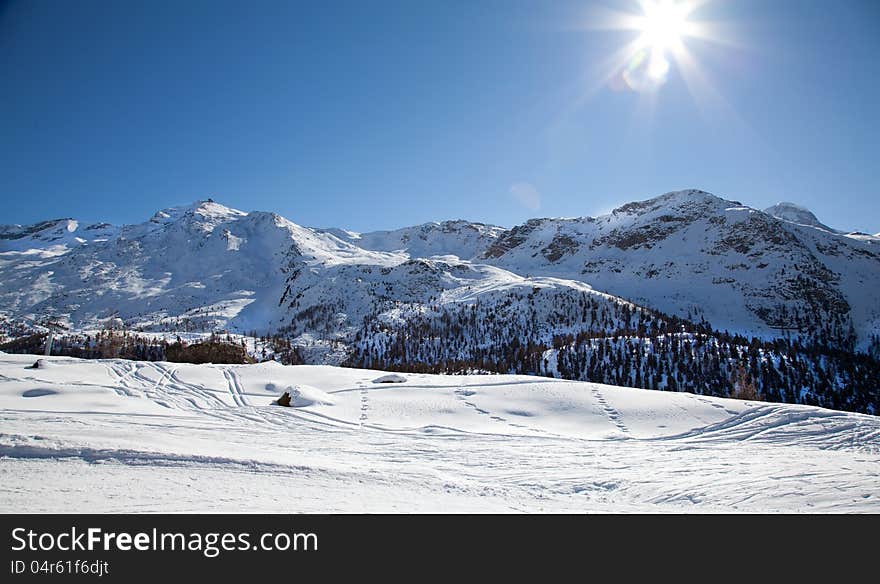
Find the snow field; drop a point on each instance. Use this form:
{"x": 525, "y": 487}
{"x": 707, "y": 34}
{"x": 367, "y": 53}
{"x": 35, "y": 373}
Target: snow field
{"x": 116, "y": 435}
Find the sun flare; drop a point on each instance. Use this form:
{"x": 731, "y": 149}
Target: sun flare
{"x": 663, "y": 24}
{"x": 662, "y": 28}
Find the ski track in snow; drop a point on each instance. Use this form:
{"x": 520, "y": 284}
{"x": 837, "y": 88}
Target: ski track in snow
{"x": 235, "y": 387}
{"x": 209, "y": 397}
{"x": 116, "y": 435}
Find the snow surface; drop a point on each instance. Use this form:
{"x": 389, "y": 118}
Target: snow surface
{"x": 117, "y": 436}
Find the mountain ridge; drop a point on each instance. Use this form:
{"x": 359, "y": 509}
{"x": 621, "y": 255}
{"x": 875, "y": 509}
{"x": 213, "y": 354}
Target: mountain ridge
{"x": 688, "y": 253}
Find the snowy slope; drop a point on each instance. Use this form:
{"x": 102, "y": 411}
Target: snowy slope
{"x": 136, "y": 436}
{"x": 57, "y": 234}
{"x": 796, "y": 214}
{"x": 332, "y": 303}
{"x": 463, "y": 239}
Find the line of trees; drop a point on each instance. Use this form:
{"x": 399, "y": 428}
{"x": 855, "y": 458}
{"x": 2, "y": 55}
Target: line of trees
{"x": 121, "y": 344}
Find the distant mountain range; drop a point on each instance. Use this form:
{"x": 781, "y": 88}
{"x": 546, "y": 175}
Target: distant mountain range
{"x": 664, "y": 293}
{"x": 206, "y": 266}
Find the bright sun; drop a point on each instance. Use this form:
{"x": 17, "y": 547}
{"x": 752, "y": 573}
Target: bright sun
{"x": 663, "y": 24}
{"x": 662, "y": 27}
{"x": 662, "y": 31}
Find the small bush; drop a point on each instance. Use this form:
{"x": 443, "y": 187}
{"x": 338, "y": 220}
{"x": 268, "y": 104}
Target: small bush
{"x": 744, "y": 386}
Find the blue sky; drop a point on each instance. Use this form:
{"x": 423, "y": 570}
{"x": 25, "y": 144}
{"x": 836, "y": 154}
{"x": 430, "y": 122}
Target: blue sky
{"x": 370, "y": 115}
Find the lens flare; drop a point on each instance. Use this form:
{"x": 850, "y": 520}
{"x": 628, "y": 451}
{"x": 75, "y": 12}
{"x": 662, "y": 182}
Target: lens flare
{"x": 662, "y": 27}
{"x": 663, "y": 38}
{"x": 643, "y": 72}
{"x": 659, "y": 67}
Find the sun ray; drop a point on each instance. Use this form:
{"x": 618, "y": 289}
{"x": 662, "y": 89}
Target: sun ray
{"x": 719, "y": 33}
{"x": 604, "y": 18}
{"x": 706, "y": 97}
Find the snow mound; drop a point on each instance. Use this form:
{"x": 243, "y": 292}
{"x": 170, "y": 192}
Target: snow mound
{"x": 390, "y": 378}
{"x": 303, "y": 396}
{"x": 39, "y": 364}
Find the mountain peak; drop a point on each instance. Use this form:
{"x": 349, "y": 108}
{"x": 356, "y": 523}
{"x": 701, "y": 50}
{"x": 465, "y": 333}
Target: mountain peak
{"x": 202, "y": 209}
{"x": 794, "y": 213}
{"x": 210, "y": 209}
{"x": 694, "y": 196}
{"x": 684, "y": 198}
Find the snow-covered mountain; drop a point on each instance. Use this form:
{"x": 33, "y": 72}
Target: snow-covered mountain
{"x": 206, "y": 266}
{"x": 162, "y": 268}
{"x": 694, "y": 254}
